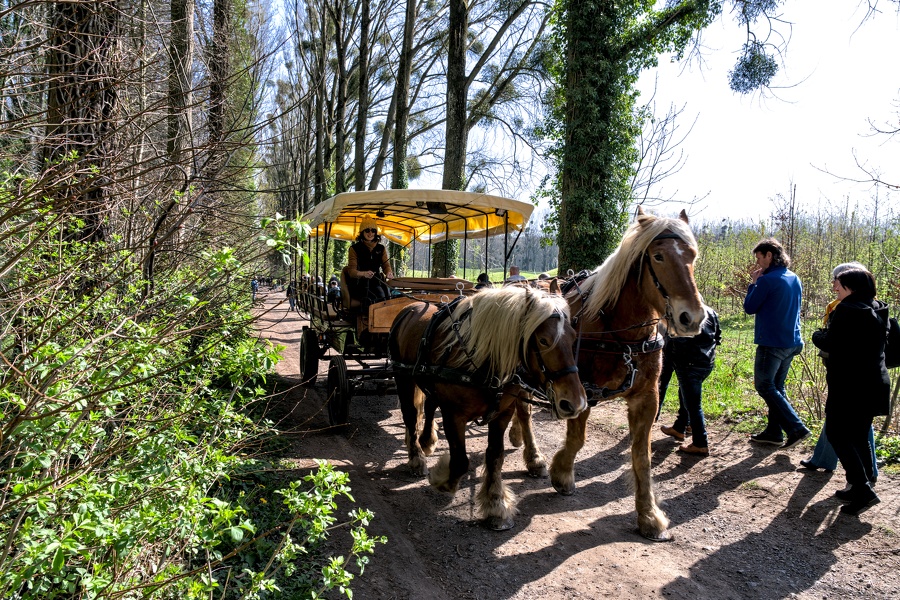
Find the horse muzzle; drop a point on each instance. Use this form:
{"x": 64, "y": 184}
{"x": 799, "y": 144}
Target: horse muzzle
{"x": 567, "y": 400}
{"x": 686, "y": 319}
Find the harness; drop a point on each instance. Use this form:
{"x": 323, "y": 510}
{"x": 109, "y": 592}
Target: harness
{"x": 427, "y": 375}
{"x": 596, "y": 343}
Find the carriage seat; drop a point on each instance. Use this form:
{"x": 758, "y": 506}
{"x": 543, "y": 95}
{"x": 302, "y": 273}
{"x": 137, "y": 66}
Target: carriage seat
{"x": 348, "y": 302}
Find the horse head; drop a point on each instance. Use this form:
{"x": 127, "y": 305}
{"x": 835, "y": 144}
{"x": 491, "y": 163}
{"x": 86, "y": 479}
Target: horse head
{"x": 550, "y": 361}
{"x": 515, "y": 327}
{"x": 669, "y": 262}
{"x": 653, "y": 267}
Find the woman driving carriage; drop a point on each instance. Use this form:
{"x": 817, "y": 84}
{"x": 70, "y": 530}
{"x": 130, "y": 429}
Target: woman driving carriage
{"x": 365, "y": 259}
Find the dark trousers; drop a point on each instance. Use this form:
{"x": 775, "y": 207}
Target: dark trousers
{"x": 369, "y": 291}
{"x": 690, "y": 396}
{"x": 849, "y": 436}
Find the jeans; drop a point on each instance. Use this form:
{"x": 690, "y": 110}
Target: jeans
{"x": 690, "y": 392}
{"x": 825, "y": 457}
{"x": 291, "y": 302}
{"x": 769, "y": 373}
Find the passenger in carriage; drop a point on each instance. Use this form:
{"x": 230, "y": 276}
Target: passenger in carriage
{"x": 483, "y": 282}
{"x": 365, "y": 260}
{"x": 334, "y": 293}
{"x": 515, "y": 275}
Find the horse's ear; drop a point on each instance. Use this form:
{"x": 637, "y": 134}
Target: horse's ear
{"x": 640, "y": 210}
{"x": 683, "y": 216}
{"x": 554, "y": 286}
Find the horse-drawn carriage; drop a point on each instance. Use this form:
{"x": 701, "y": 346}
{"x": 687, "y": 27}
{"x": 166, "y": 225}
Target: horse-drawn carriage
{"x": 352, "y": 338}
{"x": 610, "y": 328}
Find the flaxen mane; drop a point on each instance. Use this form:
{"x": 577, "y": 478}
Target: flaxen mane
{"x": 605, "y": 284}
{"x": 499, "y": 327}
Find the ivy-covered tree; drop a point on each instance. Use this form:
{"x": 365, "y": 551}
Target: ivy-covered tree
{"x": 601, "y": 48}
{"x": 598, "y": 52}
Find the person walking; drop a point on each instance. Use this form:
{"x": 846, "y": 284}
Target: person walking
{"x": 254, "y": 288}
{"x": 824, "y": 456}
{"x": 291, "y": 294}
{"x": 858, "y": 384}
{"x": 774, "y": 296}
{"x": 692, "y": 359}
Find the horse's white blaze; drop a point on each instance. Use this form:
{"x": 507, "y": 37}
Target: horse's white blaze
{"x": 560, "y": 329}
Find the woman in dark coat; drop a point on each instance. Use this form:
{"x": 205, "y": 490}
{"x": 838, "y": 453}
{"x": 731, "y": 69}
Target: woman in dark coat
{"x": 858, "y": 383}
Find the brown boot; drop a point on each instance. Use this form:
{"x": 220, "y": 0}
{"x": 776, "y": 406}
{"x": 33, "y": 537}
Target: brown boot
{"x": 672, "y": 432}
{"x": 692, "y": 449}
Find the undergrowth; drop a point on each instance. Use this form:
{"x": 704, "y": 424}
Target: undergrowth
{"x": 127, "y": 463}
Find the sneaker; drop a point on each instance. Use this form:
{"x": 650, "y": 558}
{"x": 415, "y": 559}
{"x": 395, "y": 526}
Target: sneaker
{"x": 810, "y": 465}
{"x": 692, "y": 449}
{"x": 793, "y": 438}
{"x": 672, "y": 432}
{"x": 865, "y": 500}
{"x": 851, "y": 493}
{"x": 765, "y": 437}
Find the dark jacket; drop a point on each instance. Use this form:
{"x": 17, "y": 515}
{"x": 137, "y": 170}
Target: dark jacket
{"x": 369, "y": 259}
{"x": 698, "y": 351}
{"x": 858, "y": 381}
{"x": 775, "y": 300}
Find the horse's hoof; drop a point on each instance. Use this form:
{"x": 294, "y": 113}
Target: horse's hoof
{"x": 499, "y": 523}
{"x": 538, "y": 471}
{"x": 564, "y": 490}
{"x": 418, "y": 469}
{"x": 662, "y": 536}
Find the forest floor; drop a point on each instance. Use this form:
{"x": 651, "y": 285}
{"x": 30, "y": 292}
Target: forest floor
{"x": 746, "y": 523}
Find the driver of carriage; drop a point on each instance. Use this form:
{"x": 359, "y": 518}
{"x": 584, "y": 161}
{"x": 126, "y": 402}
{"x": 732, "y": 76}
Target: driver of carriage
{"x": 365, "y": 259}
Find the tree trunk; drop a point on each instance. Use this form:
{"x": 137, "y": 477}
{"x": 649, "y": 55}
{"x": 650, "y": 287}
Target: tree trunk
{"x": 219, "y": 69}
{"x": 181, "y": 56}
{"x": 82, "y": 104}
{"x": 400, "y": 177}
{"x": 359, "y": 162}
{"x": 592, "y": 210}
{"x": 340, "y": 179}
{"x": 445, "y": 256}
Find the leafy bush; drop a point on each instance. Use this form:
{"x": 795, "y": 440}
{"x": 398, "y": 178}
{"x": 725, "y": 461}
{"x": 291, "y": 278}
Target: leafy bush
{"x": 124, "y": 410}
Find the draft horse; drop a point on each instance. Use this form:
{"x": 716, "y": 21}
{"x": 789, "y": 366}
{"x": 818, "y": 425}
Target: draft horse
{"x": 622, "y": 312}
{"x": 480, "y": 358}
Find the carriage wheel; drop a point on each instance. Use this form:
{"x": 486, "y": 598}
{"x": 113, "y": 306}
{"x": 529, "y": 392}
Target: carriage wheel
{"x": 338, "y": 391}
{"x": 309, "y": 357}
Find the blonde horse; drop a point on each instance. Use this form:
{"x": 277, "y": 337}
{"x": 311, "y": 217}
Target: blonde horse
{"x": 622, "y": 310}
{"x": 478, "y": 359}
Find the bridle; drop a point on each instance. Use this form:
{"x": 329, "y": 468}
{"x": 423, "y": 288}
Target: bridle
{"x": 544, "y": 398}
{"x": 652, "y": 343}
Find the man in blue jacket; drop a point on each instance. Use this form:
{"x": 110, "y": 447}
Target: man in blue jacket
{"x": 774, "y": 296}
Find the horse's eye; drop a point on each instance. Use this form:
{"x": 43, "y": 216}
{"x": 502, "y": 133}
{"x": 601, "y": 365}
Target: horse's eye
{"x": 543, "y": 342}
{"x": 658, "y": 257}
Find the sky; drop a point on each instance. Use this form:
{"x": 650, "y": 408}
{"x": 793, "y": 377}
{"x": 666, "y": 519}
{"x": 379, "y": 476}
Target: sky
{"x": 743, "y": 150}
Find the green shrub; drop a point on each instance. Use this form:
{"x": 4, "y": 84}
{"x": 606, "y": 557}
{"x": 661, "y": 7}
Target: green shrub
{"x": 124, "y": 414}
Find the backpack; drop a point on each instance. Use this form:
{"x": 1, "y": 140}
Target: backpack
{"x": 892, "y": 345}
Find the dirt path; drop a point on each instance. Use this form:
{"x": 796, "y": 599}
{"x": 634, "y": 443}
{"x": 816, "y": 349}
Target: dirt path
{"x": 746, "y": 523}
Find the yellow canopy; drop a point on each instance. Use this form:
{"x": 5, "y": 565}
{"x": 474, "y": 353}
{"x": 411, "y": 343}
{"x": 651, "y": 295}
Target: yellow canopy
{"x": 422, "y": 215}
